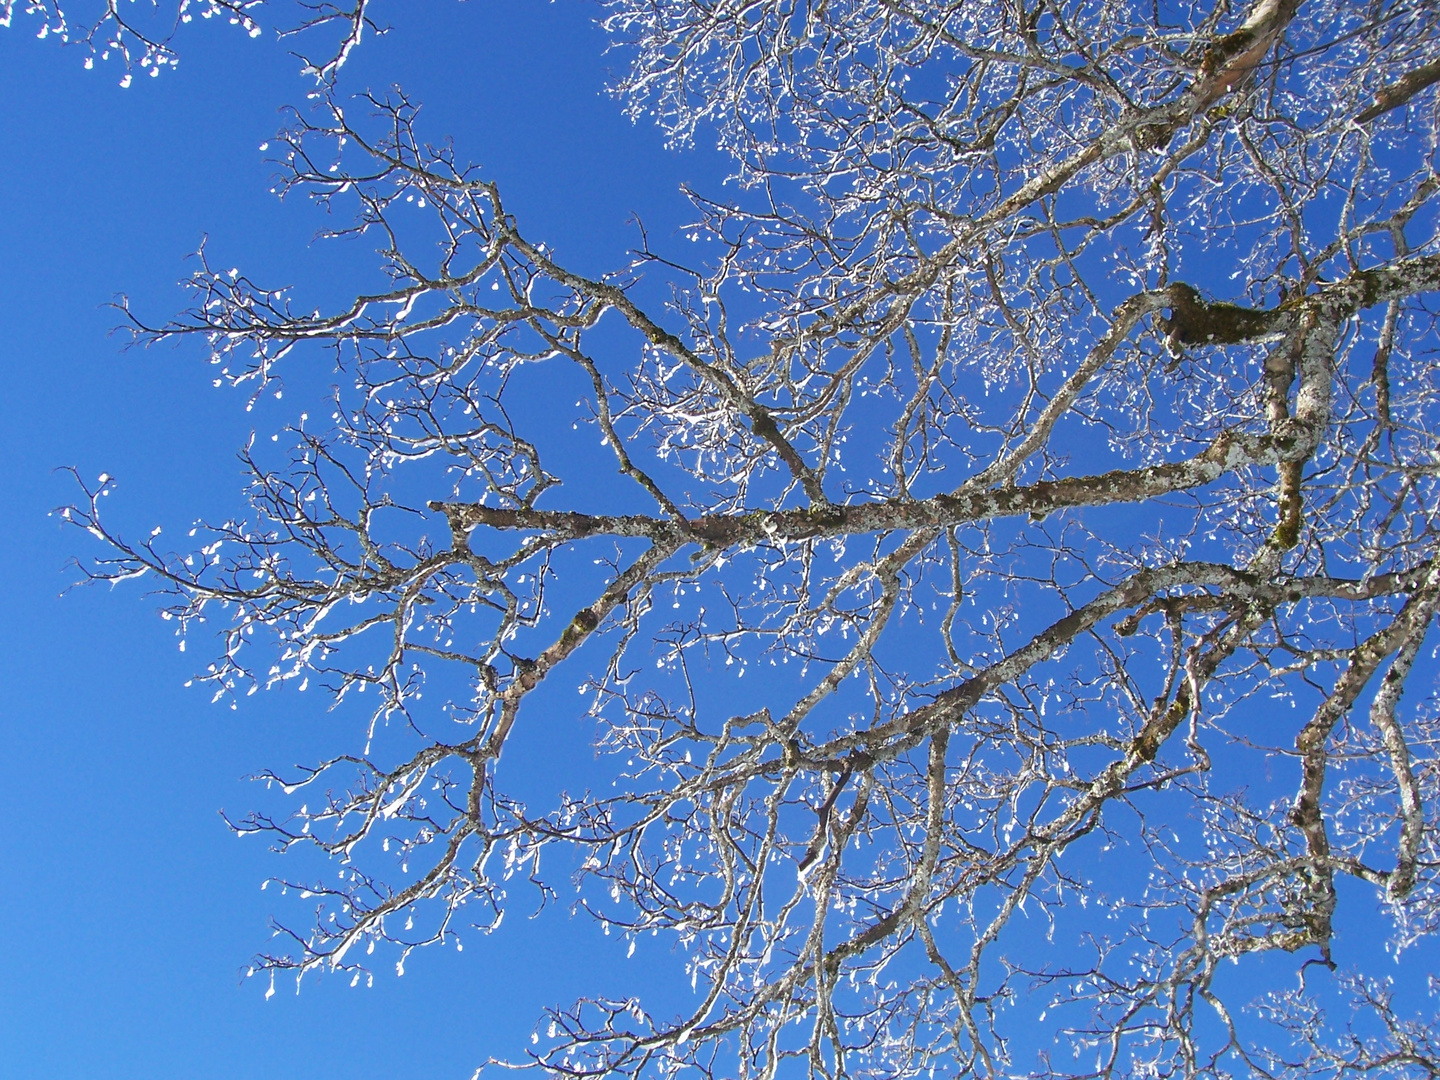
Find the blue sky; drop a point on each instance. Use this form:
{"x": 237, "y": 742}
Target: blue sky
{"x": 129, "y": 910}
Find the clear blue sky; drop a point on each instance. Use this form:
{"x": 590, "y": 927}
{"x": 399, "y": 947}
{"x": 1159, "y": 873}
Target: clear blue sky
{"x": 128, "y": 910}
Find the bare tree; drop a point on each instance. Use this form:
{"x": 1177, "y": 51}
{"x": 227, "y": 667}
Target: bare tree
{"x": 1045, "y": 426}
{"x": 112, "y": 29}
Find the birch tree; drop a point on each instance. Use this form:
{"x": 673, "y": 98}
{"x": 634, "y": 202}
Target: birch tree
{"x": 1013, "y": 592}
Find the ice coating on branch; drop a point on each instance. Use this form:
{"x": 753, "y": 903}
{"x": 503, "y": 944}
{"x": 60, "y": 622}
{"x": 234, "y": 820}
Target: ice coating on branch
{"x": 990, "y": 561}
